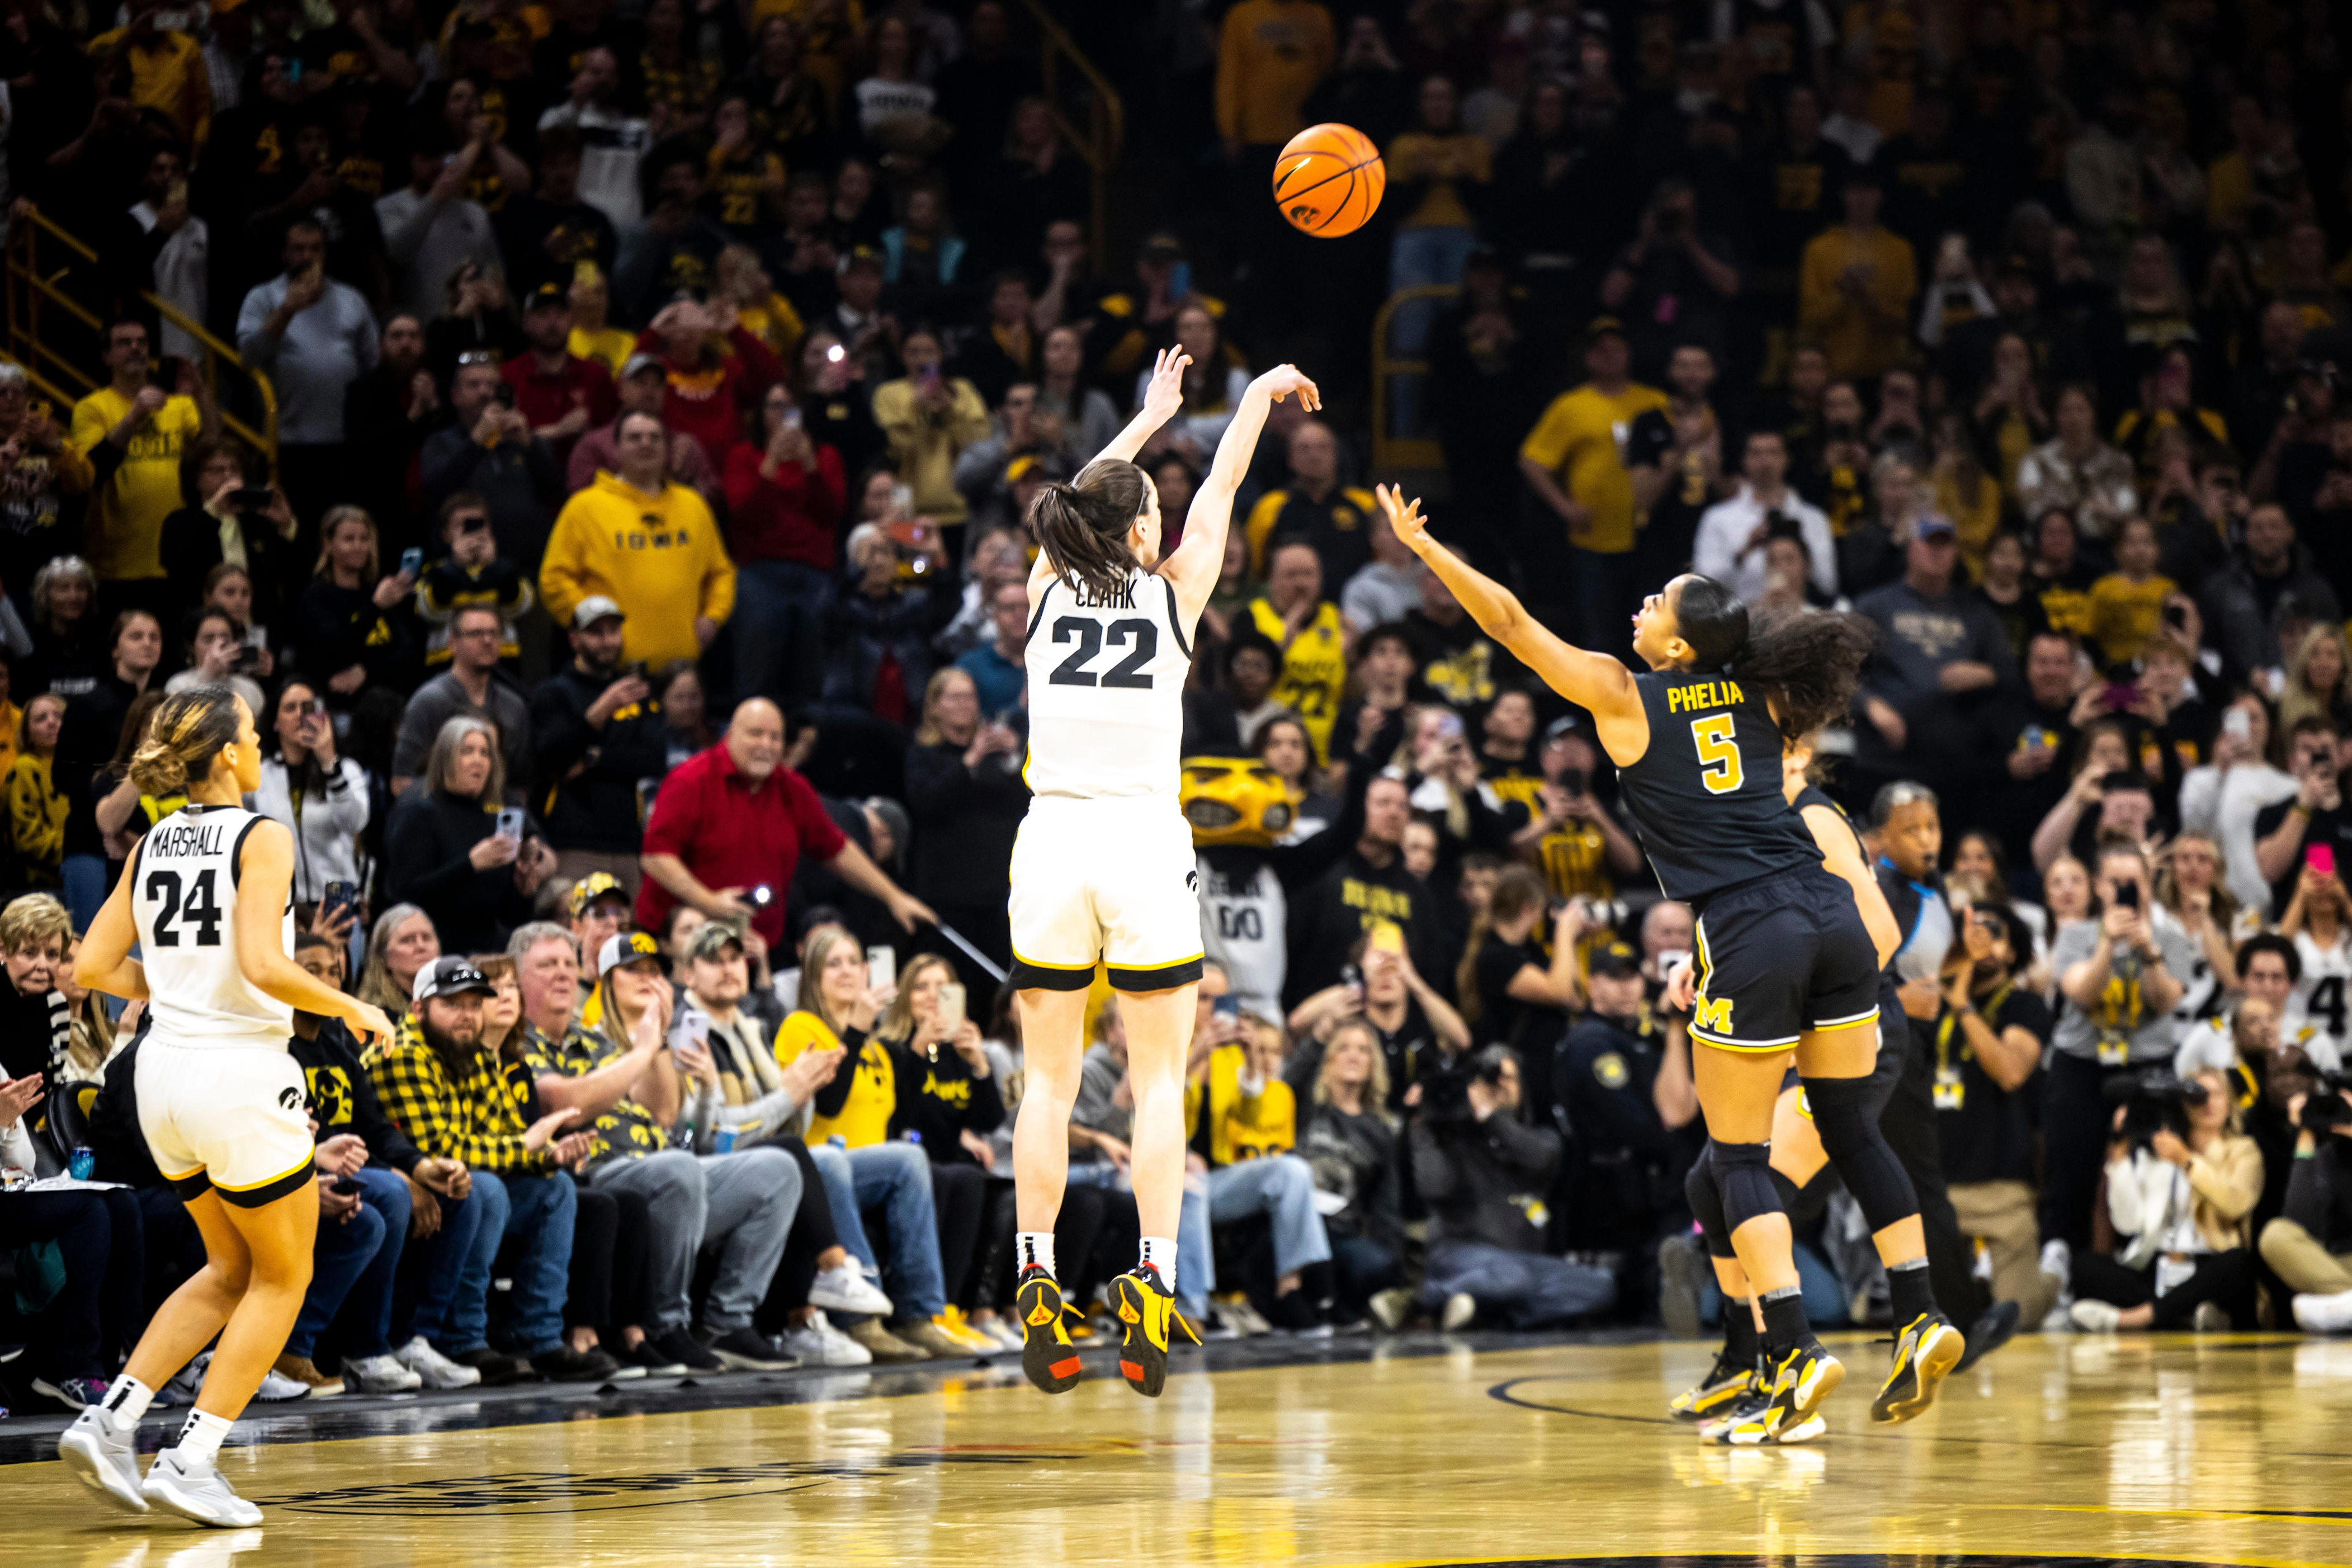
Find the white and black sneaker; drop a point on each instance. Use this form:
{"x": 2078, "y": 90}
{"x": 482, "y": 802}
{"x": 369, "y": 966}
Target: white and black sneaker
{"x": 433, "y": 1369}
{"x": 196, "y": 1491}
{"x": 382, "y": 1375}
{"x": 748, "y": 1349}
{"x": 101, "y": 1457}
{"x": 818, "y": 1344}
{"x": 846, "y": 1290}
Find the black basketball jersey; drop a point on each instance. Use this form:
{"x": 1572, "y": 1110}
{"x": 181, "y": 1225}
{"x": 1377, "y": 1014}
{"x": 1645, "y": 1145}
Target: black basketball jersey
{"x": 1813, "y": 794}
{"x": 1706, "y": 794}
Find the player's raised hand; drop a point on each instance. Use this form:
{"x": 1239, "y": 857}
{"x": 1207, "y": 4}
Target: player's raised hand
{"x": 1404, "y": 516}
{"x": 1285, "y": 379}
{"x": 1164, "y": 396}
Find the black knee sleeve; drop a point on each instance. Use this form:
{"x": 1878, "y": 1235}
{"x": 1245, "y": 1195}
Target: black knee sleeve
{"x": 1744, "y": 1172}
{"x": 1707, "y": 1204}
{"x": 1847, "y": 1121}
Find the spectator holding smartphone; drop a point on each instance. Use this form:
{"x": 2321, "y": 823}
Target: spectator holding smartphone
{"x": 2315, "y": 817}
{"x": 472, "y": 572}
{"x": 321, "y": 795}
{"x": 598, "y": 737}
{"x": 458, "y": 850}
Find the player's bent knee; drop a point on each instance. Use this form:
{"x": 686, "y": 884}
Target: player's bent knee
{"x": 1744, "y": 1172}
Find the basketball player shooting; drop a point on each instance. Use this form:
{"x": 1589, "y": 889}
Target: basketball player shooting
{"x": 1103, "y": 868}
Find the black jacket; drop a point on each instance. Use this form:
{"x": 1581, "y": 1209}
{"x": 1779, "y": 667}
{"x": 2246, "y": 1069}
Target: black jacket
{"x": 1482, "y": 1179}
{"x": 425, "y": 860}
{"x": 589, "y": 778}
{"x": 87, "y": 738}
{"x": 939, "y": 1097}
{"x": 116, "y": 1143}
{"x": 965, "y": 820}
{"x": 337, "y": 627}
{"x": 191, "y": 547}
{"x": 342, "y": 1099}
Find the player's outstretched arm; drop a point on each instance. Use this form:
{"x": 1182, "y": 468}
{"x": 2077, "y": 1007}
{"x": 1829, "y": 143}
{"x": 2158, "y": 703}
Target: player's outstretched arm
{"x": 1193, "y": 569}
{"x": 265, "y": 876}
{"x": 103, "y": 963}
{"x": 1162, "y": 397}
{"x": 1594, "y": 681}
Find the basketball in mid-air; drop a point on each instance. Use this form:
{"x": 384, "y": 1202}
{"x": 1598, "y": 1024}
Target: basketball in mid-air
{"x": 1329, "y": 179}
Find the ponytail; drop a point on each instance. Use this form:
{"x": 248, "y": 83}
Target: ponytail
{"x": 187, "y": 730}
{"x": 1082, "y": 526}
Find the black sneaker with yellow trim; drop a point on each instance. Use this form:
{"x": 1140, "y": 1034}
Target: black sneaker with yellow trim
{"x": 1046, "y": 1353}
{"x": 1726, "y": 1381}
{"x": 1802, "y": 1377}
{"x": 1925, "y": 1352}
{"x": 1146, "y": 1309}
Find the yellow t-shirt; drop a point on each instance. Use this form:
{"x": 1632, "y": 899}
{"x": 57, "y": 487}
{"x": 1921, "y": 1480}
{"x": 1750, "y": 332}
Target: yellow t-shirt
{"x": 2124, "y": 614}
{"x": 1446, "y": 162}
{"x": 127, "y": 512}
{"x": 1314, "y": 668}
{"x": 1582, "y": 440}
{"x": 864, "y": 1117}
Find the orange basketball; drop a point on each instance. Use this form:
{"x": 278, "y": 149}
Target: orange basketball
{"x": 1329, "y": 180}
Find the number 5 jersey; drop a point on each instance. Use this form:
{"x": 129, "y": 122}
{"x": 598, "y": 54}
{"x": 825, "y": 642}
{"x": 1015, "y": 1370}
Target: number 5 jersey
{"x": 183, "y": 893}
{"x": 1706, "y": 794}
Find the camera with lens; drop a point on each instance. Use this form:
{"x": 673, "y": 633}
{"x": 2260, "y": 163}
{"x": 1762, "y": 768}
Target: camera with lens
{"x": 2324, "y": 1110}
{"x": 2156, "y": 1100}
{"x": 1445, "y": 1093}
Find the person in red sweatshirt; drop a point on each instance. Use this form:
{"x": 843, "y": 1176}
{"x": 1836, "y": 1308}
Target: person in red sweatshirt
{"x": 717, "y": 371}
{"x": 784, "y": 496}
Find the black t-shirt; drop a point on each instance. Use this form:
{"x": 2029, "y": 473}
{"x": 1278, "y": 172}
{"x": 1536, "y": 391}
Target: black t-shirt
{"x": 1673, "y": 517}
{"x": 1987, "y": 1132}
{"x": 2333, "y": 828}
{"x": 1331, "y": 913}
{"x": 1501, "y": 1016}
{"x": 1411, "y": 1051}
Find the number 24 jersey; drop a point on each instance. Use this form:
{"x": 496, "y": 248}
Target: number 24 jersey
{"x": 1107, "y": 690}
{"x": 183, "y": 894}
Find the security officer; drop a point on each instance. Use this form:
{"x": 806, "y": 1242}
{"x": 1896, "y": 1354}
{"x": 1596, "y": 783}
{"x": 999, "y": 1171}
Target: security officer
{"x": 1621, "y": 1186}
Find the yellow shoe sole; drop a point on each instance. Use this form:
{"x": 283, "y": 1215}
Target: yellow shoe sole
{"x": 1930, "y": 1365}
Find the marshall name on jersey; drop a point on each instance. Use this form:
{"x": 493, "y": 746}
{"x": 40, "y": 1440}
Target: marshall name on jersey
{"x": 183, "y": 896}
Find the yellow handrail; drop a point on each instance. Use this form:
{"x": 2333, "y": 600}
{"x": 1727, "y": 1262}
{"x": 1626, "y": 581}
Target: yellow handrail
{"x": 1391, "y": 452}
{"x": 28, "y": 291}
{"x": 1105, "y": 131}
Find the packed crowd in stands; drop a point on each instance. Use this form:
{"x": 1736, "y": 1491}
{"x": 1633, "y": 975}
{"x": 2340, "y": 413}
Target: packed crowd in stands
{"x": 633, "y": 612}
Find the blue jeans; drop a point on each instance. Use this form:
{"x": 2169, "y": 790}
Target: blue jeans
{"x": 1419, "y": 257}
{"x": 778, "y": 629}
{"x": 1281, "y": 1187}
{"x": 453, "y": 1271}
{"x": 1196, "y": 1253}
{"x": 897, "y": 1178}
{"x": 1517, "y": 1289}
{"x": 536, "y": 1211}
{"x": 355, "y": 1260}
{"x": 84, "y": 876}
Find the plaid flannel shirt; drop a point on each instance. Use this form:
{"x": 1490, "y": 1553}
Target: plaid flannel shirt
{"x": 473, "y": 1118}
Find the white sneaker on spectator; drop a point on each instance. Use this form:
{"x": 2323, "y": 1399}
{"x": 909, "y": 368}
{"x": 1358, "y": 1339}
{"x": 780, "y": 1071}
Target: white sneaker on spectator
{"x": 276, "y": 1388}
{"x": 818, "y": 1344}
{"x": 100, "y": 1456}
{"x": 1391, "y": 1308}
{"x": 1459, "y": 1309}
{"x": 1001, "y": 1329}
{"x": 846, "y": 1290}
{"x": 435, "y": 1370}
{"x": 195, "y": 1491}
{"x": 1239, "y": 1311}
{"x": 182, "y": 1389}
{"x": 381, "y": 1375}
{"x": 2211, "y": 1318}
{"x": 2095, "y": 1317}
{"x": 2317, "y": 1314}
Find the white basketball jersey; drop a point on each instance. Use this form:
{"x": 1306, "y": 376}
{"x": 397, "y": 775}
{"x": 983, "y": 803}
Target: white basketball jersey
{"x": 1243, "y": 920}
{"x": 2318, "y": 999}
{"x": 1107, "y": 690}
{"x": 183, "y": 900}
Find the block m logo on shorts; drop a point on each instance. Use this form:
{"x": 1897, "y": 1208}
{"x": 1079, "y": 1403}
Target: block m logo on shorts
{"x": 1711, "y": 1014}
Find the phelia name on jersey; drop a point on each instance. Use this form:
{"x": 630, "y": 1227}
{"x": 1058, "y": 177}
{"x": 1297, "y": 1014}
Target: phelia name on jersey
{"x": 1088, "y": 599}
{"x": 1704, "y": 694}
{"x": 178, "y": 838}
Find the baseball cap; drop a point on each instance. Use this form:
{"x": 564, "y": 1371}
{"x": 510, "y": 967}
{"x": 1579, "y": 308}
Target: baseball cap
{"x": 1616, "y": 961}
{"x": 638, "y": 364}
{"x": 858, "y": 256}
{"x": 1603, "y": 326}
{"x": 712, "y": 938}
{"x": 448, "y": 977}
{"x": 550, "y": 296}
{"x": 591, "y": 610}
{"x": 1561, "y": 729}
{"x": 1933, "y": 529}
{"x": 1162, "y": 247}
{"x": 594, "y": 885}
{"x": 626, "y": 947}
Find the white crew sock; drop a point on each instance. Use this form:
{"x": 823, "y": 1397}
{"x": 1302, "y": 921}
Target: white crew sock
{"x": 1160, "y": 1251}
{"x": 126, "y": 1401}
{"x": 200, "y": 1439}
{"x": 1032, "y": 1249}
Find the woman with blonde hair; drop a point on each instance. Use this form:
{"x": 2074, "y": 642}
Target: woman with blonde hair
{"x": 1347, "y": 1138}
{"x": 837, "y": 1010}
{"x": 2316, "y": 685}
{"x": 1499, "y": 982}
{"x": 401, "y": 941}
{"x": 345, "y": 624}
{"x": 209, "y": 904}
{"x": 459, "y": 848}
{"x": 2189, "y": 883}
{"x": 37, "y": 811}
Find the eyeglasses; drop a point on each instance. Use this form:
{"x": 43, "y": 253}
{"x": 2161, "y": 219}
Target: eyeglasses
{"x": 478, "y": 356}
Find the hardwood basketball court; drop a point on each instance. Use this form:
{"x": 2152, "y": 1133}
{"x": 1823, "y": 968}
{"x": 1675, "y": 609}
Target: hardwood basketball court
{"x": 1482, "y": 1449}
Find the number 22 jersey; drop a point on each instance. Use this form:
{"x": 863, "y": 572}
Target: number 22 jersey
{"x": 1107, "y": 690}
{"x": 1706, "y": 793}
{"x": 183, "y": 894}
